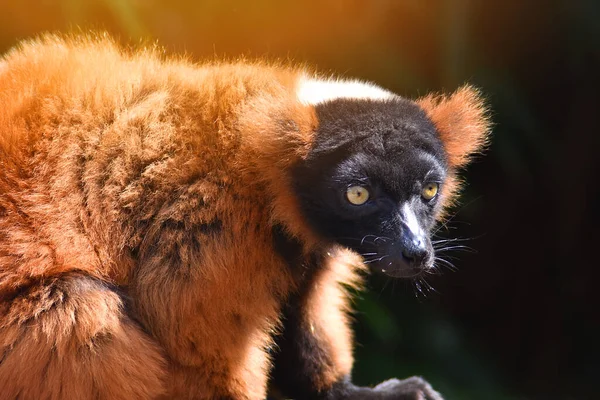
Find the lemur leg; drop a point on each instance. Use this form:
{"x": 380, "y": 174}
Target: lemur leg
{"x": 215, "y": 314}
{"x": 315, "y": 357}
{"x": 68, "y": 337}
{"x": 215, "y": 337}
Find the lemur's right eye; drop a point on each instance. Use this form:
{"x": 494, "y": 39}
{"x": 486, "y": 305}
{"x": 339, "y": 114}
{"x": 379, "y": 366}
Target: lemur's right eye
{"x": 430, "y": 190}
{"x": 357, "y": 195}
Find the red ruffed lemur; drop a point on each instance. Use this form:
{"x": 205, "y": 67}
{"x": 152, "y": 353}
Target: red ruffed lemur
{"x": 179, "y": 231}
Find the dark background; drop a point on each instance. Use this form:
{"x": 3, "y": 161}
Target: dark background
{"x": 519, "y": 318}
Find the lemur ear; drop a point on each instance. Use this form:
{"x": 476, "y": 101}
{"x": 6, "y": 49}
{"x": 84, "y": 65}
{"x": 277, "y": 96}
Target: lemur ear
{"x": 462, "y": 121}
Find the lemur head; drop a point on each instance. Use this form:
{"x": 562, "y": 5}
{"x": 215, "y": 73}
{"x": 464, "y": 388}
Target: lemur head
{"x": 381, "y": 169}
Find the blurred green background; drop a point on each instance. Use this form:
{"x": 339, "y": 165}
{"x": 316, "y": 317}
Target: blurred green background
{"x": 519, "y": 319}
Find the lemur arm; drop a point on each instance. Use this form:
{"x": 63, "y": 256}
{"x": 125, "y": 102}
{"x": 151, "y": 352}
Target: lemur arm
{"x": 314, "y": 358}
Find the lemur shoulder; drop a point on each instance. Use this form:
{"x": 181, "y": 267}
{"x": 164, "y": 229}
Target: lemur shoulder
{"x": 173, "y": 230}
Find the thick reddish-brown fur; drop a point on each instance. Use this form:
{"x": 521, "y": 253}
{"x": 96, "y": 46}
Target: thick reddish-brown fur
{"x": 463, "y": 124}
{"x": 137, "y": 196}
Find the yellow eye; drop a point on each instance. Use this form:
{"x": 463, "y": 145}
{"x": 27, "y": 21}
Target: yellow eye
{"x": 357, "y": 195}
{"x": 430, "y": 190}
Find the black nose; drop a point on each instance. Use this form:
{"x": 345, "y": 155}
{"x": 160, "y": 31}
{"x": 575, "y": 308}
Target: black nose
{"x": 414, "y": 251}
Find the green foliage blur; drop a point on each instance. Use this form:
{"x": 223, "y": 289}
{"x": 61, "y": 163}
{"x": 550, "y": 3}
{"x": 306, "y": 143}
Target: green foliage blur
{"x": 519, "y": 319}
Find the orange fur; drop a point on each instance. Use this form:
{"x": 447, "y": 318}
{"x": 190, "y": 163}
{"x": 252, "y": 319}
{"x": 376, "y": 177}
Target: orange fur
{"x": 117, "y": 165}
{"x": 124, "y": 175}
{"x": 462, "y": 121}
{"x": 68, "y": 338}
{"x": 327, "y": 312}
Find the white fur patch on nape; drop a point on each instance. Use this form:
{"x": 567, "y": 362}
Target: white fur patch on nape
{"x": 312, "y": 91}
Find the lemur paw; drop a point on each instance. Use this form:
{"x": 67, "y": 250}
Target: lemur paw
{"x": 413, "y": 388}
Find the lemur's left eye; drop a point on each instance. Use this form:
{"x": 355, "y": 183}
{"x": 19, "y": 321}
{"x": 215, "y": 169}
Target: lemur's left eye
{"x": 357, "y": 195}
{"x": 430, "y": 190}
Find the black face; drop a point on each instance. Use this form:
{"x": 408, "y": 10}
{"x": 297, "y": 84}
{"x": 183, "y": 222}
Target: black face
{"x": 371, "y": 180}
